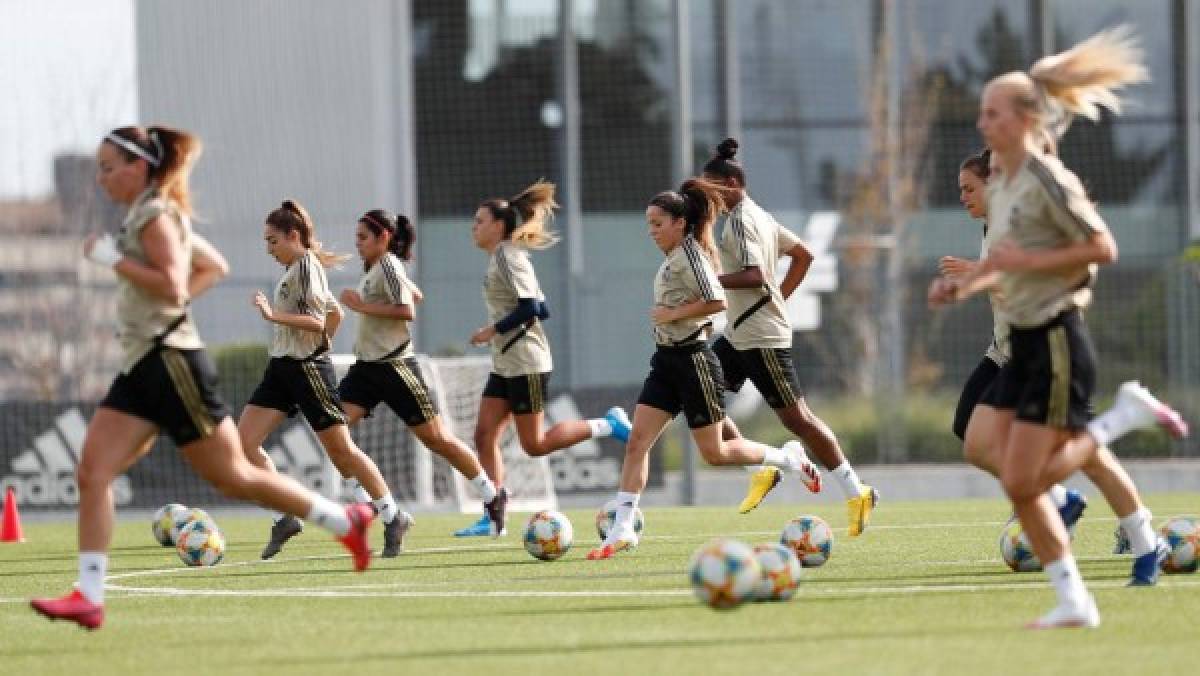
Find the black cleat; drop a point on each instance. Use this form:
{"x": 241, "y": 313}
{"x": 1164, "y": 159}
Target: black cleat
{"x": 281, "y": 532}
{"x": 496, "y": 511}
{"x": 393, "y": 534}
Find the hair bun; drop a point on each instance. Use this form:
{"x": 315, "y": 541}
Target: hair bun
{"x": 289, "y": 205}
{"x": 727, "y": 148}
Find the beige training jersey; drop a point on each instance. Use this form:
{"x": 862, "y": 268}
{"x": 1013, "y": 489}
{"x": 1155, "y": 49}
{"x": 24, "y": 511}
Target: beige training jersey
{"x": 379, "y": 337}
{"x": 686, "y": 276}
{"x": 998, "y": 350}
{"x": 141, "y": 316}
{"x": 510, "y": 276}
{"x": 752, "y": 238}
{"x": 1043, "y": 206}
{"x": 302, "y": 290}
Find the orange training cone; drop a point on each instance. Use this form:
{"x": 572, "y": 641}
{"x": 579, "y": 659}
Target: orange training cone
{"x": 10, "y": 529}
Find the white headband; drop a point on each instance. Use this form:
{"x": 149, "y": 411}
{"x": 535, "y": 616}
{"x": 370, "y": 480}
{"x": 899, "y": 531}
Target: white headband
{"x": 136, "y": 149}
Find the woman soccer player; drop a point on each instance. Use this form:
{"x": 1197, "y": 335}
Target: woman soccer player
{"x": 299, "y": 375}
{"x": 973, "y": 421}
{"x": 385, "y": 369}
{"x": 1043, "y": 270}
{"x": 685, "y": 374}
{"x": 167, "y": 382}
{"x": 507, "y": 229}
{"x": 757, "y": 344}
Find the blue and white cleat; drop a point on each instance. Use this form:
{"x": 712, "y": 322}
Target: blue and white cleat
{"x": 1121, "y": 544}
{"x": 1147, "y": 567}
{"x": 481, "y": 528}
{"x": 617, "y": 417}
{"x": 1072, "y": 509}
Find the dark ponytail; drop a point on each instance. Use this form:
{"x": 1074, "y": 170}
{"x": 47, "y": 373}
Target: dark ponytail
{"x": 401, "y": 230}
{"x": 291, "y": 216}
{"x": 723, "y": 165}
{"x": 698, "y": 202}
{"x": 979, "y": 164}
{"x": 527, "y": 215}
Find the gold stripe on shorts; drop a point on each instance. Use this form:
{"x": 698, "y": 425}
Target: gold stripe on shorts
{"x": 420, "y": 394}
{"x": 535, "y": 391}
{"x": 1060, "y": 377}
{"x": 708, "y": 386}
{"x": 322, "y": 392}
{"x": 787, "y": 396}
{"x": 188, "y": 392}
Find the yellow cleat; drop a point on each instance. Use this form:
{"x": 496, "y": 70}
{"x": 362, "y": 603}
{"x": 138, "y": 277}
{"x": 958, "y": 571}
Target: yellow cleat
{"x": 860, "y": 510}
{"x": 761, "y": 483}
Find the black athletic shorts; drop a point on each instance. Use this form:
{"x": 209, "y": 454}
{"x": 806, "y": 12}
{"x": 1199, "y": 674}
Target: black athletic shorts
{"x": 397, "y": 383}
{"x": 524, "y": 394}
{"x": 770, "y": 369}
{"x": 981, "y": 378}
{"x": 304, "y": 385}
{"x": 686, "y": 378}
{"x": 1051, "y": 376}
{"x": 174, "y": 389}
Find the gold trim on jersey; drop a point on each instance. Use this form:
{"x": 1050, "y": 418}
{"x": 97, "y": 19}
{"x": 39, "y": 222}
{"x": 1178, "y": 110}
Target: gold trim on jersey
{"x": 188, "y": 392}
{"x": 419, "y": 391}
{"x": 318, "y": 386}
{"x": 782, "y": 385}
{"x": 1060, "y": 377}
{"x": 708, "y": 385}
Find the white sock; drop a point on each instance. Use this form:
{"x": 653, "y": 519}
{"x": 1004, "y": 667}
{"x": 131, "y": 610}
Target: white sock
{"x": 753, "y": 468}
{"x": 1140, "y": 531}
{"x": 1068, "y": 583}
{"x": 92, "y": 568}
{"x": 847, "y": 479}
{"x": 626, "y": 503}
{"x": 600, "y": 427}
{"x": 1058, "y": 493}
{"x": 386, "y": 508}
{"x": 360, "y": 493}
{"x": 328, "y": 515}
{"x": 277, "y": 516}
{"x": 776, "y": 457}
{"x": 487, "y": 490}
{"x": 1115, "y": 423}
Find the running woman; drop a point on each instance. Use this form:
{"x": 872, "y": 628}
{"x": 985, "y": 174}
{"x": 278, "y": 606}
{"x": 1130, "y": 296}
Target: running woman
{"x": 386, "y": 369}
{"x": 757, "y": 344}
{"x": 507, "y": 229}
{"x": 973, "y": 421}
{"x": 1043, "y": 267}
{"x": 167, "y": 382}
{"x": 299, "y": 375}
{"x": 685, "y": 374}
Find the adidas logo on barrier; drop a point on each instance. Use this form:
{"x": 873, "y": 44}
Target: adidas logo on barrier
{"x": 45, "y": 474}
{"x": 299, "y": 455}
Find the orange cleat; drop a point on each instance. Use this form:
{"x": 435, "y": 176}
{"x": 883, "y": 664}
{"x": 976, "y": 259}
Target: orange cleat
{"x": 73, "y": 607}
{"x": 607, "y": 551}
{"x": 360, "y": 516}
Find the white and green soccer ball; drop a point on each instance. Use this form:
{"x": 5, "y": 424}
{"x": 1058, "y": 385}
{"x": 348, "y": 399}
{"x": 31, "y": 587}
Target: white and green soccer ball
{"x": 1182, "y": 534}
{"x": 724, "y": 574}
{"x": 780, "y": 572}
{"x": 180, "y": 519}
{"x": 164, "y": 521}
{"x": 810, "y": 538}
{"x": 1016, "y": 550}
{"x": 200, "y": 543}
{"x": 548, "y": 535}
{"x": 608, "y": 514}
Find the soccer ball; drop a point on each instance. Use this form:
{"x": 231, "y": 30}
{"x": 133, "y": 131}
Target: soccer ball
{"x": 1183, "y": 535}
{"x": 780, "y": 572}
{"x": 1016, "y": 550}
{"x": 608, "y": 514}
{"x": 724, "y": 573}
{"x": 163, "y": 521}
{"x": 810, "y": 538}
{"x": 200, "y": 543}
{"x": 548, "y": 535}
{"x": 184, "y": 517}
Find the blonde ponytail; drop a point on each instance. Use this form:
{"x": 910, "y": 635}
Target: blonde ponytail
{"x": 535, "y": 206}
{"x": 1087, "y": 76}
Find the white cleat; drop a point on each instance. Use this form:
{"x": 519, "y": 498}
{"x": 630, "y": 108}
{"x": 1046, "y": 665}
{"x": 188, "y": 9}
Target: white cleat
{"x": 1069, "y": 617}
{"x": 1149, "y": 411}
{"x": 810, "y": 476}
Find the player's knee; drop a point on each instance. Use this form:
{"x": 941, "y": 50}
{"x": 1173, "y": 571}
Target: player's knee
{"x": 1019, "y": 488}
{"x": 90, "y": 476}
{"x": 712, "y": 454}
